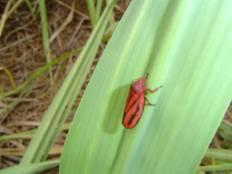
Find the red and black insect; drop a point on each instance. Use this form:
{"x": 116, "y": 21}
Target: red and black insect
{"x": 135, "y": 102}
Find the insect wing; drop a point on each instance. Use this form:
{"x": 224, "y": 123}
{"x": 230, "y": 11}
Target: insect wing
{"x": 131, "y": 100}
{"x": 133, "y": 110}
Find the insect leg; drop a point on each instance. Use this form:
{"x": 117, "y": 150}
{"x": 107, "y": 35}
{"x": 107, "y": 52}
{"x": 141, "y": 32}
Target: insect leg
{"x": 146, "y": 75}
{"x": 147, "y": 102}
{"x": 153, "y": 90}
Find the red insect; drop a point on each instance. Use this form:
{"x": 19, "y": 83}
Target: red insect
{"x": 135, "y": 102}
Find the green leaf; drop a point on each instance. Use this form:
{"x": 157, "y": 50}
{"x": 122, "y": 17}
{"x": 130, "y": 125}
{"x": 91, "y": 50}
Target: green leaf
{"x": 184, "y": 46}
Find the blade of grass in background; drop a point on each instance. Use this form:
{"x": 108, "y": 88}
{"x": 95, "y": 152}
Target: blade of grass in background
{"x": 186, "y": 47}
{"x": 22, "y": 135}
{"x": 99, "y": 8}
{"x": 30, "y": 168}
{"x": 66, "y": 96}
{"x": 92, "y": 12}
{"x": 225, "y": 131}
{"x": 219, "y": 167}
{"x": 26, "y": 134}
{"x": 45, "y": 33}
{"x": 9, "y": 76}
{"x": 31, "y": 8}
{"x": 5, "y": 16}
{"x": 95, "y": 10}
{"x": 220, "y": 154}
{"x": 11, "y": 6}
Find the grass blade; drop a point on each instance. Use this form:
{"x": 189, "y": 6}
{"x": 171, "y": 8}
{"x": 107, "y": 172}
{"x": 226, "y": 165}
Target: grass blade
{"x": 45, "y": 34}
{"x": 31, "y": 168}
{"x": 220, "y": 154}
{"x": 219, "y": 167}
{"x": 21, "y": 135}
{"x": 31, "y": 8}
{"x": 92, "y": 12}
{"x": 99, "y": 4}
{"x": 225, "y": 131}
